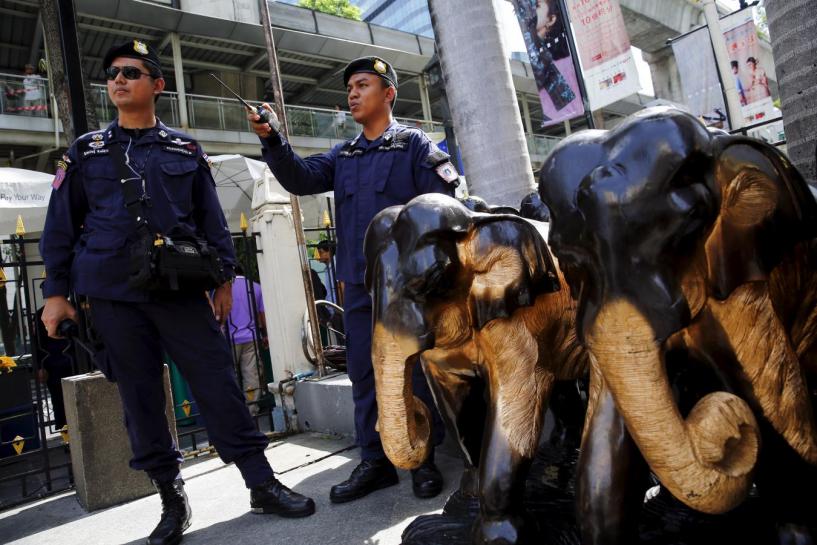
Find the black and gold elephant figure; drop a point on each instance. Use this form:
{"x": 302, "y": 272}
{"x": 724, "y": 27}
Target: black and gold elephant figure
{"x": 478, "y": 298}
{"x": 693, "y": 248}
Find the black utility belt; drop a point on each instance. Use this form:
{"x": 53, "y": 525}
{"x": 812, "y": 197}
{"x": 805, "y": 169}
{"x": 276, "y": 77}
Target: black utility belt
{"x": 174, "y": 263}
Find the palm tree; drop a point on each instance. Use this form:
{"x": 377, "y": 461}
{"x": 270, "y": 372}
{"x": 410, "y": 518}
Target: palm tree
{"x": 482, "y": 100}
{"x": 793, "y": 31}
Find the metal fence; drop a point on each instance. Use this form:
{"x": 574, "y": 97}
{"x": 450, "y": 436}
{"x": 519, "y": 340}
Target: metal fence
{"x": 226, "y": 114}
{"x": 34, "y": 456}
{"x": 34, "y": 438}
{"x": 770, "y": 131}
{"x": 24, "y": 95}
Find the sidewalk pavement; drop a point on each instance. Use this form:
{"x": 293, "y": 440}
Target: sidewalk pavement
{"x": 310, "y": 463}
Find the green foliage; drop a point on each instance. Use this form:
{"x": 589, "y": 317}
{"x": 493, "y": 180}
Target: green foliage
{"x": 341, "y": 8}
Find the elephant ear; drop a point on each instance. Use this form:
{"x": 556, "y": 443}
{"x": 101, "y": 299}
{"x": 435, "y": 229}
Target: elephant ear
{"x": 511, "y": 265}
{"x": 766, "y": 209}
{"x": 377, "y": 236}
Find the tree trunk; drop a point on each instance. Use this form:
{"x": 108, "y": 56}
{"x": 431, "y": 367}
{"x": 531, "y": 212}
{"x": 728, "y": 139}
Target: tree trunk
{"x": 482, "y": 98}
{"x": 793, "y": 31}
{"x": 56, "y": 73}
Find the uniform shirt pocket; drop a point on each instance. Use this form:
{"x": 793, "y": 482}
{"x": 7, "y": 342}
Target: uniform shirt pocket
{"x": 177, "y": 182}
{"x": 345, "y": 180}
{"x": 102, "y": 188}
{"x": 397, "y": 187}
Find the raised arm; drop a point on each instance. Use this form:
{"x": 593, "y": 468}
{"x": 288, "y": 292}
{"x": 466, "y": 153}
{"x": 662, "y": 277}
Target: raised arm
{"x": 314, "y": 174}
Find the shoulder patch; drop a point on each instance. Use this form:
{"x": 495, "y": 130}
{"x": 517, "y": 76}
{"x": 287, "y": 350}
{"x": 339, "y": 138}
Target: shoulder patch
{"x": 94, "y": 145}
{"x": 59, "y": 177}
{"x": 447, "y": 172}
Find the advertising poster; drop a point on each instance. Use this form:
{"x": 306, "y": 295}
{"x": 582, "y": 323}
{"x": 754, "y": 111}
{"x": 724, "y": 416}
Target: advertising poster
{"x": 751, "y": 80}
{"x": 699, "y": 72}
{"x": 603, "y": 45}
{"x": 699, "y": 78}
{"x": 544, "y": 29}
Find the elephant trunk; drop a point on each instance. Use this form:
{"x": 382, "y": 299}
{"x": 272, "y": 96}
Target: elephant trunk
{"x": 707, "y": 460}
{"x": 404, "y": 422}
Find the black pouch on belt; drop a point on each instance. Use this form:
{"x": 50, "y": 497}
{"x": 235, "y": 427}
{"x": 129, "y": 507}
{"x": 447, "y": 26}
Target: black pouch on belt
{"x": 174, "y": 261}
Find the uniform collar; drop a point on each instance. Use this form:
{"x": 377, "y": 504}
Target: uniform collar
{"x": 115, "y": 133}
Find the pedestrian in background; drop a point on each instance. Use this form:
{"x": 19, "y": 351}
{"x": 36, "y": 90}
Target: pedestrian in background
{"x": 247, "y": 323}
{"x": 33, "y": 103}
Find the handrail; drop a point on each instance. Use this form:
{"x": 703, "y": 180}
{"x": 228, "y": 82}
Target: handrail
{"x": 208, "y": 112}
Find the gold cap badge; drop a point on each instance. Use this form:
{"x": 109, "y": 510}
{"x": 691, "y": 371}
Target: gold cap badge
{"x": 140, "y": 47}
{"x": 380, "y": 66}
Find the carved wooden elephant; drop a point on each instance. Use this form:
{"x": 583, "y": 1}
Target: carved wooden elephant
{"x": 682, "y": 244}
{"x": 477, "y": 297}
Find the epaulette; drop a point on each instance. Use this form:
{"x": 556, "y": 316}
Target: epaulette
{"x": 437, "y": 157}
{"x": 89, "y": 135}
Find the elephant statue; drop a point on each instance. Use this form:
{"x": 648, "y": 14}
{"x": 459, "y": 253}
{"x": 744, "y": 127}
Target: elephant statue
{"x": 686, "y": 247}
{"x": 478, "y": 298}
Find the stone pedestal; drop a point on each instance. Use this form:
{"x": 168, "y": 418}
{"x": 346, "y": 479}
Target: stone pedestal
{"x": 325, "y": 405}
{"x": 99, "y": 444}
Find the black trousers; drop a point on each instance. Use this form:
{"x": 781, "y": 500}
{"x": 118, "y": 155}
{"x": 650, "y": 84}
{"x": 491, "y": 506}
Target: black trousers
{"x": 134, "y": 335}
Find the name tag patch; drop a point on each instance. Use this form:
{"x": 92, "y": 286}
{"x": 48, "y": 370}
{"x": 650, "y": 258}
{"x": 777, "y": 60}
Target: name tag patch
{"x": 183, "y": 151}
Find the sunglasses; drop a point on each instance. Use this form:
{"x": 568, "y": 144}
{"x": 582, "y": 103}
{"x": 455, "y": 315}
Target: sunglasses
{"x": 130, "y": 72}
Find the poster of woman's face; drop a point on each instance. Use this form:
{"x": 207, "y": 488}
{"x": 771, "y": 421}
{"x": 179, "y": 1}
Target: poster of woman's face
{"x": 543, "y": 27}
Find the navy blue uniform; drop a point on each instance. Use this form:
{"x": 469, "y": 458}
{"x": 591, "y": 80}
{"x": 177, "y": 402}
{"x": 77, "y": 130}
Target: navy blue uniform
{"x": 366, "y": 178}
{"x": 85, "y": 249}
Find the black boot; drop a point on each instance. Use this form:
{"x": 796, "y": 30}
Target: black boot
{"x": 274, "y": 497}
{"x": 368, "y": 476}
{"x": 175, "y": 514}
{"x": 426, "y": 480}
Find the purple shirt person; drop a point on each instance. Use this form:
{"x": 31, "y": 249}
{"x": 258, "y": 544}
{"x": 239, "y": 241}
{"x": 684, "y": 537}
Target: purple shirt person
{"x": 242, "y": 327}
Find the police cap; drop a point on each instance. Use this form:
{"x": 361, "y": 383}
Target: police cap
{"x": 370, "y": 65}
{"x": 133, "y": 49}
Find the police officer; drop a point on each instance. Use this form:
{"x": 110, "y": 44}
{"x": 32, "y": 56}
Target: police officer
{"x": 386, "y": 164}
{"x": 85, "y": 246}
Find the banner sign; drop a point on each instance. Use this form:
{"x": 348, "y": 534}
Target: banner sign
{"x": 699, "y": 78}
{"x": 23, "y": 194}
{"x": 607, "y": 62}
{"x": 699, "y": 72}
{"x": 751, "y": 80}
{"x": 544, "y": 29}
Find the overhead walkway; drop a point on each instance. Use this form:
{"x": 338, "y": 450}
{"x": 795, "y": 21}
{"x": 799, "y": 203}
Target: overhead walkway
{"x": 218, "y": 123}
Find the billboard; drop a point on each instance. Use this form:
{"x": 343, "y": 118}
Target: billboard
{"x": 544, "y": 28}
{"x": 751, "y": 80}
{"x": 699, "y": 72}
{"x": 700, "y": 81}
{"x": 603, "y": 45}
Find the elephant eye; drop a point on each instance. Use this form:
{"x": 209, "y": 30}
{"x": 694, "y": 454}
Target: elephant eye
{"x": 433, "y": 281}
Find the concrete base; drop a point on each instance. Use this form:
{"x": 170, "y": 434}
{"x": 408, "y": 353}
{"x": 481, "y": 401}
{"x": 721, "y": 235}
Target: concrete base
{"x": 325, "y": 405}
{"x": 100, "y": 449}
